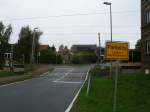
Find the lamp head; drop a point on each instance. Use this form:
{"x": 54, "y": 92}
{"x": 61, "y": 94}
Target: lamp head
{"x": 107, "y": 3}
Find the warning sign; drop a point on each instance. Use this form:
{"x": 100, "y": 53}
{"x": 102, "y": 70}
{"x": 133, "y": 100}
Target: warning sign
{"x": 117, "y": 51}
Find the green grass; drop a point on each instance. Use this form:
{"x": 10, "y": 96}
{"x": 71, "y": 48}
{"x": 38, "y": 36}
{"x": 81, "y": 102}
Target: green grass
{"x": 133, "y": 95}
{"x": 6, "y": 73}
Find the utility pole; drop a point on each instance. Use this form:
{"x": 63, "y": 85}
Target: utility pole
{"x": 56, "y": 58}
{"x": 33, "y": 48}
{"x": 11, "y": 65}
{"x": 99, "y": 48}
{"x": 23, "y": 59}
{"x": 32, "y": 52}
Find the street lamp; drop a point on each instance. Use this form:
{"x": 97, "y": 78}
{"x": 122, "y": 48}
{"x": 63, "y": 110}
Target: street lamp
{"x": 115, "y": 85}
{"x": 108, "y": 3}
{"x": 33, "y": 47}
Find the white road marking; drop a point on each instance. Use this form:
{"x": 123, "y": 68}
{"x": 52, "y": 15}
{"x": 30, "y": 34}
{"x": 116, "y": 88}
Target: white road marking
{"x": 44, "y": 74}
{"x": 64, "y": 75}
{"x": 72, "y": 103}
{"x": 67, "y": 82}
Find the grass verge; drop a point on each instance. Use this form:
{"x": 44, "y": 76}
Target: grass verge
{"x": 10, "y": 77}
{"x": 6, "y": 74}
{"x": 133, "y": 94}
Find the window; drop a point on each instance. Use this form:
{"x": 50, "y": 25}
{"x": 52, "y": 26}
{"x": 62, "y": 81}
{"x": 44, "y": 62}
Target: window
{"x": 148, "y": 47}
{"x": 147, "y": 16}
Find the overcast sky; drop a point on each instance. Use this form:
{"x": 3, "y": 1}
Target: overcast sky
{"x": 71, "y": 22}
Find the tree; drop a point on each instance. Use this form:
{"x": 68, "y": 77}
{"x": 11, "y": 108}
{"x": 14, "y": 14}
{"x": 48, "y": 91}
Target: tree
{"x": 5, "y": 33}
{"x": 134, "y": 56}
{"x": 25, "y": 42}
{"x": 138, "y": 45}
{"x": 61, "y": 48}
{"x": 50, "y": 56}
{"x": 53, "y": 48}
{"x": 47, "y": 56}
{"x": 84, "y": 58}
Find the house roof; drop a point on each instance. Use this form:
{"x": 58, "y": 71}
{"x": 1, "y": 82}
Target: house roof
{"x": 43, "y": 47}
{"x": 77, "y": 48}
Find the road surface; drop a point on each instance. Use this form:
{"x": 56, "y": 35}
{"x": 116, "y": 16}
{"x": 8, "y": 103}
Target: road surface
{"x": 52, "y": 92}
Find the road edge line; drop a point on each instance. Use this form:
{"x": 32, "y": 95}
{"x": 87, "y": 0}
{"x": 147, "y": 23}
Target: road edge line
{"x": 76, "y": 96}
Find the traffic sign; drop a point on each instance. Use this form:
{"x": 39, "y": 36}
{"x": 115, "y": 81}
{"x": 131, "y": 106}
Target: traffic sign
{"x": 117, "y": 51}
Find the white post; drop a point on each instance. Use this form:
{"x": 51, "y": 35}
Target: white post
{"x": 89, "y": 83}
{"x": 115, "y": 88}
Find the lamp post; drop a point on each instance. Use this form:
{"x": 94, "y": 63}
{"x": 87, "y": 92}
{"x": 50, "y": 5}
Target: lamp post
{"x": 116, "y": 75}
{"x": 108, "y": 3}
{"x": 33, "y": 47}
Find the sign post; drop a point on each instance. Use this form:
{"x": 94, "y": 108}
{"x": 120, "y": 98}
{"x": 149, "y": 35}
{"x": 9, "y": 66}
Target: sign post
{"x": 116, "y": 51}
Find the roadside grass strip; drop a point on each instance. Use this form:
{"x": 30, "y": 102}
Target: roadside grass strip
{"x": 7, "y": 73}
{"x": 133, "y": 94}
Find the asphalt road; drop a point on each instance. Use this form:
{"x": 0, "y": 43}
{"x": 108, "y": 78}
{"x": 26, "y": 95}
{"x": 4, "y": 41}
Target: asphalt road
{"x": 52, "y": 92}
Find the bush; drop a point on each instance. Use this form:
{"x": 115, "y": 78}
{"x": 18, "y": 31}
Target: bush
{"x": 84, "y": 58}
{"x": 97, "y": 71}
{"x": 49, "y": 57}
{"x": 59, "y": 59}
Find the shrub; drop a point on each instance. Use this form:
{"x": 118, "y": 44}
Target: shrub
{"x": 84, "y": 58}
{"x": 97, "y": 71}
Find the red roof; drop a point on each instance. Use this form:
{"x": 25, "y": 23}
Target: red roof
{"x": 43, "y": 47}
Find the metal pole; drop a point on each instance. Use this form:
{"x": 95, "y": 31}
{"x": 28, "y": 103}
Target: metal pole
{"x": 110, "y": 37}
{"x": 12, "y": 57}
{"x": 23, "y": 59}
{"x": 115, "y": 89}
{"x": 89, "y": 84}
{"x": 111, "y": 22}
{"x": 32, "y": 53}
{"x": 56, "y": 57}
{"x": 39, "y": 54}
{"x": 99, "y": 47}
{"x": 37, "y": 60}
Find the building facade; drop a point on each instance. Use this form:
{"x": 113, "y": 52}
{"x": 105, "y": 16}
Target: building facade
{"x": 83, "y": 48}
{"x": 145, "y": 34}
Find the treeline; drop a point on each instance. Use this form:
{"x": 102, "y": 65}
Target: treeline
{"x": 23, "y": 48}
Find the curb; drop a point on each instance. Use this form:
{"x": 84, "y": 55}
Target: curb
{"x": 19, "y": 81}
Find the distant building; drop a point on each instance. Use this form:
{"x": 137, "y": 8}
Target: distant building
{"x": 83, "y": 48}
{"x": 43, "y": 47}
{"x": 145, "y": 30}
{"x": 65, "y": 53}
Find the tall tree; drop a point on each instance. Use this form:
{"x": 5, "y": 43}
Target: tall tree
{"x": 25, "y": 42}
{"x": 138, "y": 45}
{"x": 5, "y": 32}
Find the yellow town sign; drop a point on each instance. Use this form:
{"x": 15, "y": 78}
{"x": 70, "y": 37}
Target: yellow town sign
{"x": 117, "y": 51}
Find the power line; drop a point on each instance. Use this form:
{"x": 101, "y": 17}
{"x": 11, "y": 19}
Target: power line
{"x": 94, "y": 33}
{"x": 88, "y": 33}
{"x": 91, "y": 26}
{"x": 69, "y": 15}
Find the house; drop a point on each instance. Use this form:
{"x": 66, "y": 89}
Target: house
{"x": 43, "y": 47}
{"x": 83, "y": 48}
{"x": 65, "y": 53}
{"x": 145, "y": 34}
